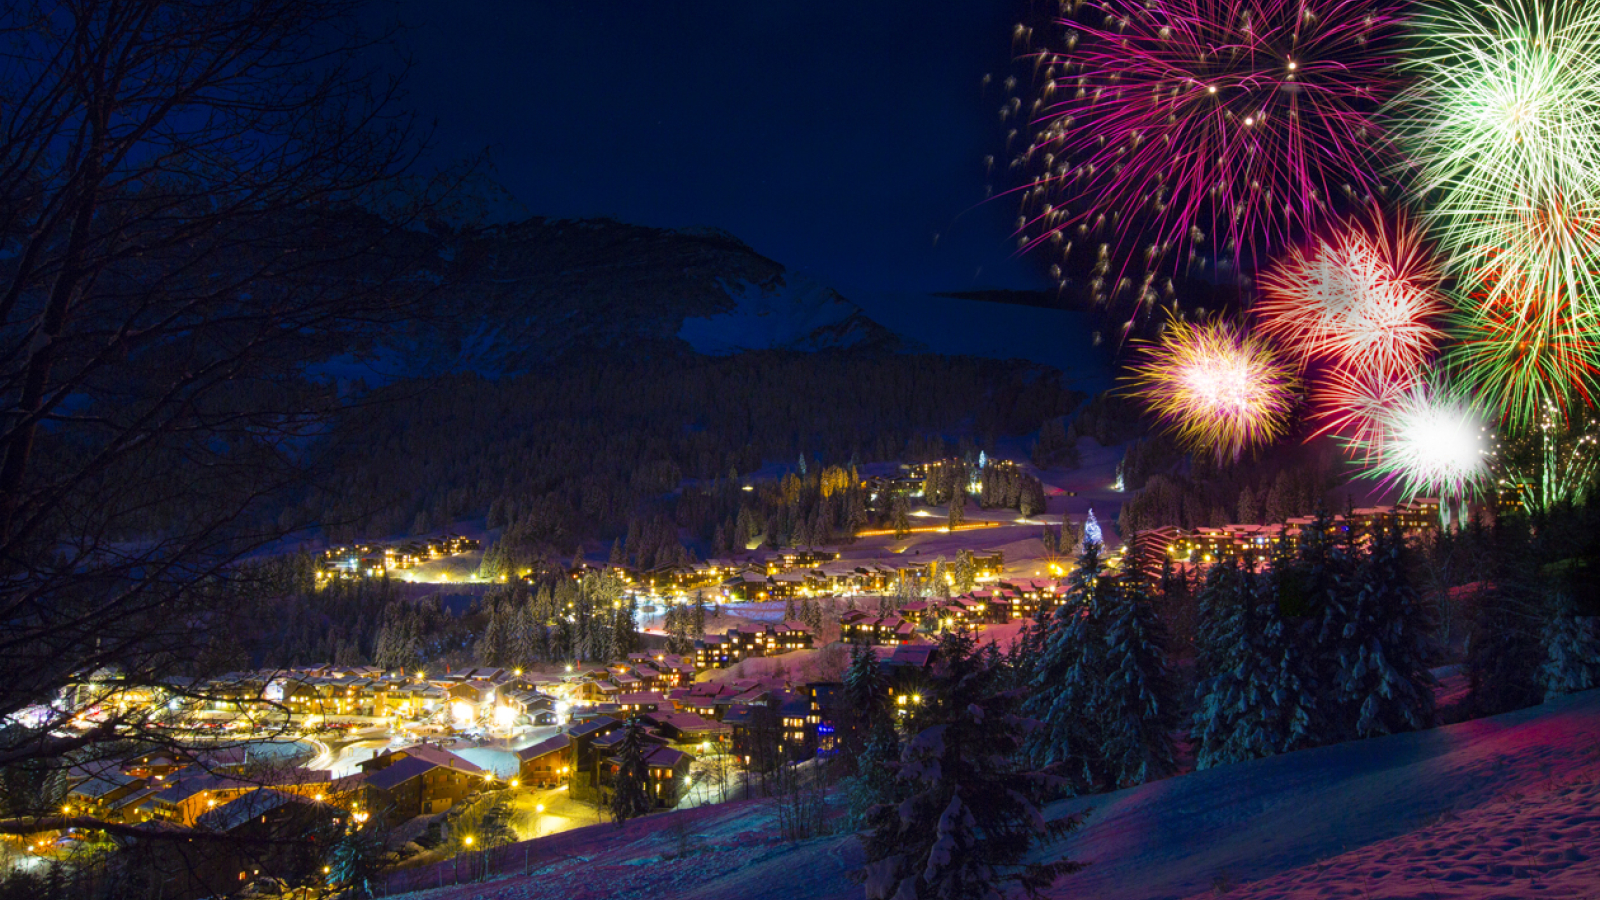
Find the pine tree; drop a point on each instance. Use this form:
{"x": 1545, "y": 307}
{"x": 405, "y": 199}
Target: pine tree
{"x": 874, "y": 783}
{"x": 866, "y": 688}
{"x": 900, "y": 514}
{"x": 1248, "y": 508}
{"x": 491, "y": 646}
{"x": 1067, "y": 689}
{"x": 1140, "y": 704}
{"x": 630, "y": 789}
{"x": 971, "y": 813}
{"x": 1249, "y": 700}
{"x": 790, "y": 614}
{"x": 1504, "y": 654}
{"x": 523, "y": 648}
{"x": 625, "y": 629}
{"x": 1571, "y": 651}
{"x": 1383, "y": 683}
{"x": 963, "y": 573}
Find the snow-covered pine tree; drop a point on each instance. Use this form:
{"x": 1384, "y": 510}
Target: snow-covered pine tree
{"x": 491, "y": 644}
{"x": 1504, "y": 653}
{"x": 971, "y": 812}
{"x": 1316, "y": 592}
{"x": 1066, "y": 691}
{"x": 1222, "y": 666}
{"x": 1383, "y": 684}
{"x": 1571, "y": 650}
{"x": 874, "y": 783}
{"x": 962, "y": 572}
{"x": 866, "y": 688}
{"x": 1251, "y": 700}
{"x": 630, "y": 788}
{"x": 1140, "y": 704}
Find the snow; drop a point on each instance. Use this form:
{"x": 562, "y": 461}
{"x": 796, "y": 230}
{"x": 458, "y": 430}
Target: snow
{"x": 1494, "y": 808}
{"x": 1274, "y": 817}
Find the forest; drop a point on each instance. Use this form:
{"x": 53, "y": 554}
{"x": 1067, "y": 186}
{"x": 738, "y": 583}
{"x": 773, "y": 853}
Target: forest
{"x": 636, "y": 449}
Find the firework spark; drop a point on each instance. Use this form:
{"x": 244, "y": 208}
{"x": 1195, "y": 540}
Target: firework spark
{"x": 1219, "y": 389}
{"x": 1556, "y": 461}
{"x": 1504, "y": 126}
{"x": 1432, "y": 441}
{"x": 1351, "y": 403}
{"x": 1234, "y": 122}
{"x": 1363, "y": 298}
{"x": 1529, "y": 365}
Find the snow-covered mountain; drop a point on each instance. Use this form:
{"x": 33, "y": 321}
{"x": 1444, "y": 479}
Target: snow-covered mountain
{"x": 791, "y": 312}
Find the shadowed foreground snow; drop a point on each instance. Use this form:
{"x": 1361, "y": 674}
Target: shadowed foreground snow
{"x": 1501, "y": 807}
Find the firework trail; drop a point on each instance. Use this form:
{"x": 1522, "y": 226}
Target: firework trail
{"x": 1213, "y": 128}
{"x": 1503, "y": 126}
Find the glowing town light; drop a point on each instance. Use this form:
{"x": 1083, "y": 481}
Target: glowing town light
{"x": 504, "y": 716}
{"x": 463, "y": 712}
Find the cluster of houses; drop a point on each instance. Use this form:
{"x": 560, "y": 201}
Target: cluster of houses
{"x": 372, "y": 560}
{"x": 1256, "y": 543}
{"x": 207, "y": 790}
{"x": 997, "y": 602}
{"x": 779, "y": 576}
{"x": 492, "y": 695}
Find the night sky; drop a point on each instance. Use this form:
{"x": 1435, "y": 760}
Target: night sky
{"x": 838, "y": 138}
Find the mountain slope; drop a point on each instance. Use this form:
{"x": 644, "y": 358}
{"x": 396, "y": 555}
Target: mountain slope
{"x": 514, "y": 297}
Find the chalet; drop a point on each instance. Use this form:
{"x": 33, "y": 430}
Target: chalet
{"x": 690, "y": 729}
{"x": 861, "y": 628}
{"x": 585, "y": 759}
{"x": 281, "y": 812}
{"x": 669, "y": 775}
{"x": 414, "y": 786}
{"x": 99, "y": 794}
{"x": 642, "y": 702}
{"x": 546, "y": 764}
{"x": 431, "y": 752}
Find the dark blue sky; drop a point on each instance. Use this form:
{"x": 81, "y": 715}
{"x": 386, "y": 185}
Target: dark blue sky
{"x": 836, "y": 137}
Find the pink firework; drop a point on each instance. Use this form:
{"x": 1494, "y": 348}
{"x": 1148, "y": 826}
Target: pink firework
{"x": 1364, "y": 300}
{"x": 1215, "y": 129}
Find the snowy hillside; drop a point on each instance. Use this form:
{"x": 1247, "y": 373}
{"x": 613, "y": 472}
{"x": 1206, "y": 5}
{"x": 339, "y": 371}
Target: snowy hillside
{"x": 1498, "y": 807}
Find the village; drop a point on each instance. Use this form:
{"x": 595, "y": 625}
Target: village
{"x": 421, "y": 751}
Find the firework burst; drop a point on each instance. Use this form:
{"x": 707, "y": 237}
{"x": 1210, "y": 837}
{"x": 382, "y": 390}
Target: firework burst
{"x": 1208, "y": 126}
{"x": 1363, "y": 299}
{"x": 1218, "y": 388}
{"x": 1504, "y": 127}
{"x": 1431, "y": 441}
{"x": 1529, "y": 366}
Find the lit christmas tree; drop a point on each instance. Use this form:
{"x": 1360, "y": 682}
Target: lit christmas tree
{"x": 1091, "y": 531}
